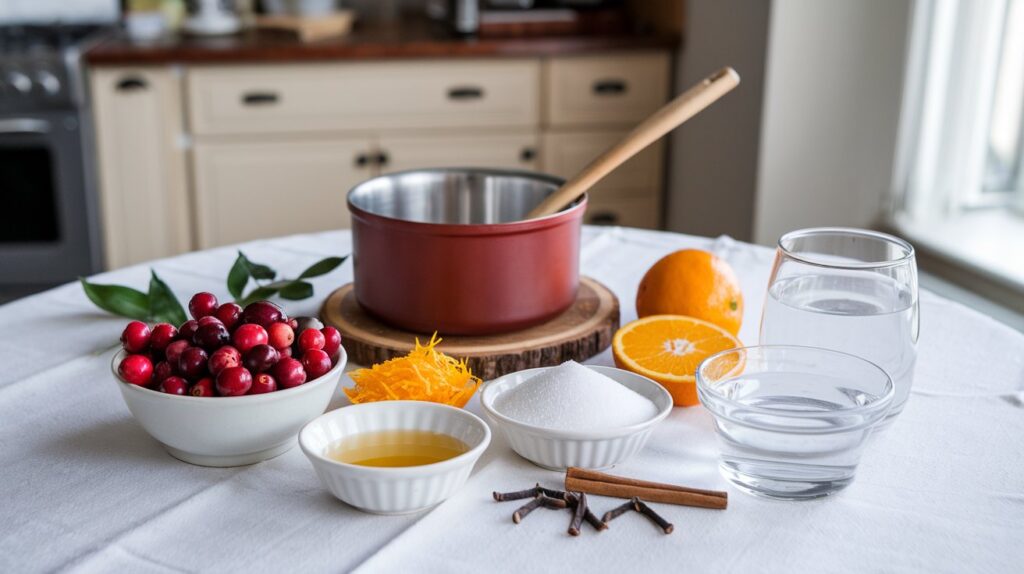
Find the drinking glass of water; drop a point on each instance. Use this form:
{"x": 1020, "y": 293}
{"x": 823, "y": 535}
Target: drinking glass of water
{"x": 850, "y": 290}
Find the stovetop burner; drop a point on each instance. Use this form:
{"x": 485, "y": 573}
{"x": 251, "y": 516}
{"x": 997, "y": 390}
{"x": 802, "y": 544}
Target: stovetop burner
{"x": 34, "y": 38}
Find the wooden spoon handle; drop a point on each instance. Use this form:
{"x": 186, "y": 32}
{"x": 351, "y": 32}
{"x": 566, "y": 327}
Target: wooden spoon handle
{"x": 674, "y": 113}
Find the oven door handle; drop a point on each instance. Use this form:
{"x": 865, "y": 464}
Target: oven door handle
{"x": 24, "y": 126}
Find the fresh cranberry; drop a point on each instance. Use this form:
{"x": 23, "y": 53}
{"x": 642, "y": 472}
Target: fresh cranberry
{"x": 192, "y": 363}
{"x": 174, "y": 386}
{"x": 289, "y": 373}
{"x": 224, "y": 358}
{"x": 263, "y": 313}
{"x": 285, "y": 352}
{"x": 135, "y": 337}
{"x": 229, "y": 314}
{"x": 161, "y": 371}
{"x": 204, "y": 387}
{"x": 136, "y": 369}
{"x": 280, "y": 335}
{"x": 248, "y": 336}
{"x": 174, "y": 350}
{"x": 162, "y": 335}
{"x": 208, "y": 320}
{"x": 202, "y": 304}
{"x": 212, "y": 336}
{"x": 188, "y": 329}
{"x": 316, "y": 363}
{"x": 332, "y": 340}
{"x": 311, "y": 339}
{"x": 234, "y": 381}
{"x": 260, "y": 358}
{"x": 263, "y": 383}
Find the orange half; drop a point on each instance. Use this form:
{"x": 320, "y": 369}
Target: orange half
{"x": 668, "y": 349}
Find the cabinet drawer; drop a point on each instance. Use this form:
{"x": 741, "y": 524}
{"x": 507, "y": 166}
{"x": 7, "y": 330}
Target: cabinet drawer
{"x": 628, "y": 212}
{"x": 250, "y": 191}
{"x": 618, "y": 89}
{"x": 377, "y": 96}
{"x": 499, "y": 151}
{"x": 566, "y": 154}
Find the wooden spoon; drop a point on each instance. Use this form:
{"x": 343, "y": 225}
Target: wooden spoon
{"x": 674, "y": 113}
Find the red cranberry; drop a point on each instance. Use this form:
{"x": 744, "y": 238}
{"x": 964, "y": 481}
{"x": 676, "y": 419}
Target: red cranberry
{"x": 212, "y": 335}
{"x": 174, "y": 386}
{"x": 248, "y": 336}
{"x": 285, "y": 352}
{"x": 224, "y": 358}
{"x": 289, "y": 373}
{"x": 280, "y": 335}
{"x": 263, "y": 383}
{"x": 136, "y": 369}
{"x": 161, "y": 371}
{"x": 316, "y": 363}
{"x": 229, "y": 314}
{"x": 234, "y": 381}
{"x": 192, "y": 363}
{"x": 162, "y": 335}
{"x": 293, "y": 323}
{"x": 209, "y": 320}
{"x": 188, "y": 329}
{"x": 311, "y": 339}
{"x": 332, "y": 340}
{"x": 135, "y": 337}
{"x": 260, "y": 358}
{"x": 204, "y": 387}
{"x": 173, "y": 351}
{"x": 202, "y": 304}
{"x": 263, "y": 313}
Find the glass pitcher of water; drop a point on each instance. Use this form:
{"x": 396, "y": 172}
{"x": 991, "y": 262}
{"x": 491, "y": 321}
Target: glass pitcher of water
{"x": 850, "y": 290}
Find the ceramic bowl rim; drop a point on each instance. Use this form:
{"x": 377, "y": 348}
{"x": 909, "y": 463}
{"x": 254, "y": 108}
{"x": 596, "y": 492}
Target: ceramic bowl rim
{"x": 486, "y": 402}
{"x": 468, "y": 457}
{"x": 281, "y": 394}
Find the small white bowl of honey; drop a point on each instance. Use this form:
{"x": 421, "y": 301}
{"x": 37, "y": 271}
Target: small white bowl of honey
{"x": 394, "y": 457}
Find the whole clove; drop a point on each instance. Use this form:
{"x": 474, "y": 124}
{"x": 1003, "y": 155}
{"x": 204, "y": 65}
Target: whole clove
{"x": 550, "y": 492}
{"x": 618, "y": 511}
{"x": 588, "y": 515}
{"x": 654, "y": 516}
{"x": 526, "y": 509}
{"x": 517, "y": 495}
{"x": 577, "y": 514}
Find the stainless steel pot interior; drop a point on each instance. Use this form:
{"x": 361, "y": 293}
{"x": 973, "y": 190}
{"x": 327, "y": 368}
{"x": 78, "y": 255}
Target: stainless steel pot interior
{"x": 454, "y": 195}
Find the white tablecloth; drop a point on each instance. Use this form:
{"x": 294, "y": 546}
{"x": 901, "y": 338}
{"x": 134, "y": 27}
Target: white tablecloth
{"x": 85, "y": 489}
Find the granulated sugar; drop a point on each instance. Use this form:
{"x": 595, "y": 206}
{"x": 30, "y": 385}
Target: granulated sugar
{"x": 573, "y": 397}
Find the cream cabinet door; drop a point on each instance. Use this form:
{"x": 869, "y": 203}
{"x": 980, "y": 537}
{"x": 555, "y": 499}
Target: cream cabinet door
{"x": 501, "y": 151}
{"x": 610, "y": 89}
{"x": 143, "y": 190}
{"x": 255, "y": 190}
{"x": 565, "y": 154}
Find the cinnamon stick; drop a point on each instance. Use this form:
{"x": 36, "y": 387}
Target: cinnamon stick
{"x": 585, "y": 474}
{"x": 652, "y": 494}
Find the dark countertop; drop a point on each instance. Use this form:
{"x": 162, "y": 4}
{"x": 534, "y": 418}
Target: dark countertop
{"x": 406, "y": 40}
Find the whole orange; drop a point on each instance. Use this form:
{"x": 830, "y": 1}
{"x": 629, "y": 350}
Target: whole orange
{"x": 694, "y": 283}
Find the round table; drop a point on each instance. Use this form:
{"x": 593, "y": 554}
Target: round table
{"x": 85, "y": 489}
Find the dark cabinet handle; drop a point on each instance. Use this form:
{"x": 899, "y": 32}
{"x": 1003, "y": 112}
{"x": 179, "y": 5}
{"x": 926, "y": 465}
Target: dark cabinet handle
{"x": 528, "y": 154}
{"x": 383, "y": 158}
{"x": 259, "y": 98}
{"x": 610, "y": 87}
{"x": 132, "y": 84}
{"x": 465, "y": 93}
{"x": 362, "y": 160}
{"x": 604, "y": 218}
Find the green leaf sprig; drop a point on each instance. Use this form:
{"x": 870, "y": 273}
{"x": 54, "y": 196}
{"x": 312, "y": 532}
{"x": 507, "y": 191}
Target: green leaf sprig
{"x": 264, "y": 279}
{"x": 159, "y": 305}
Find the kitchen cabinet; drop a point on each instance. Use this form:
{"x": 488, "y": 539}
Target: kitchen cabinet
{"x": 250, "y": 190}
{"x": 144, "y": 199}
{"x": 272, "y": 149}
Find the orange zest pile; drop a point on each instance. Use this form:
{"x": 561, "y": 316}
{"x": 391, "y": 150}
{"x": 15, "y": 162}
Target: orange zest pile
{"x": 425, "y": 374}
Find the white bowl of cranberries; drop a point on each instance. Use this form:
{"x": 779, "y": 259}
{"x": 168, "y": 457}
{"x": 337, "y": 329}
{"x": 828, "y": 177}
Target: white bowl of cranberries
{"x": 231, "y": 386}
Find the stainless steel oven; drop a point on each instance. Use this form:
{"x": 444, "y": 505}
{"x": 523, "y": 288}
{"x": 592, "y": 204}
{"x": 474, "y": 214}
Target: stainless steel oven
{"x": 48, "y": 231}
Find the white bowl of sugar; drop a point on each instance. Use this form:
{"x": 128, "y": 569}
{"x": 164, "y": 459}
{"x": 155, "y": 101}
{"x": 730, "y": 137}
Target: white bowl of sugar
{"x": 575, "y": 415}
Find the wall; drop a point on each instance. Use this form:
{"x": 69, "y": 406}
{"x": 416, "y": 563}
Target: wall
{"x": 832, "y": 99}
{"x": 713, "y": 158}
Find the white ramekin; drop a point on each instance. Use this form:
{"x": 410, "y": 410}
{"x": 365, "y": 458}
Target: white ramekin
{"x": 229, "y": 431}
{"x": 560, "y": 449}
{"x": 394, "y": 490}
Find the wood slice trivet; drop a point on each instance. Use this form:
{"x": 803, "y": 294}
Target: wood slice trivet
{"x": 579, "y": 333}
